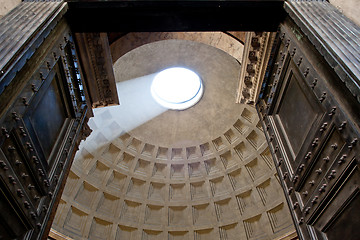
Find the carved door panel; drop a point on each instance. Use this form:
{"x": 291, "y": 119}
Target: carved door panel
{"x": 312, "y": 126}
{"x": 43, "y": 111}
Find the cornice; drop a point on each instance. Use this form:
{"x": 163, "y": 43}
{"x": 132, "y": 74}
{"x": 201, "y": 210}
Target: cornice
{"x": 255, "y": 57}
{"x": 96, "y": 64}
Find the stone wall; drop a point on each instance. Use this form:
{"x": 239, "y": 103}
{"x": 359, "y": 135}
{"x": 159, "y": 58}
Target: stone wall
{"x": 349, "y": 8}
{"x": 7, "y": 5}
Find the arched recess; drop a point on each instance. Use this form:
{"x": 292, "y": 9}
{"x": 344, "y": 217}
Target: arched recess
{"x": 230, "y": 42}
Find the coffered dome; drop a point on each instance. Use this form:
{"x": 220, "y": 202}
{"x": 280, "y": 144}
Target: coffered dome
{"x": 146, "y": 172}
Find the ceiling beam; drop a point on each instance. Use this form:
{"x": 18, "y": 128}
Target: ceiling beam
{"x": 150, "y": 16}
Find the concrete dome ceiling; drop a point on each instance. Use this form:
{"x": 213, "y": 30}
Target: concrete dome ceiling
{"x": 147, "y": 173}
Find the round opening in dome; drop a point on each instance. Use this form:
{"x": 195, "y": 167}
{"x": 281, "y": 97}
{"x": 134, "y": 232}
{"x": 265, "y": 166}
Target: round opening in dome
{"x": 177, "y": 88}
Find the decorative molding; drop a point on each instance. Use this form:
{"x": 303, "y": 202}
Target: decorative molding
{"x": 254, "y": 62}
{"x": 97, "y": 68}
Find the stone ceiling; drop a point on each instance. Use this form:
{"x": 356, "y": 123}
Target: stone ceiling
{"x": 147, "y": 173}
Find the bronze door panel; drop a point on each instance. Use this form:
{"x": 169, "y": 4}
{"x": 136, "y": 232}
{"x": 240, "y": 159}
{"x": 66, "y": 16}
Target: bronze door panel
{"x": 12, "y": 225}
{"x": 47, "y": 116}
{"x": 41, "y": 128}
{"x": 312, "y": 126}
{"x": 342, "y": 219}
{"x": 27, "y": 176}
{"x": 296, "y": 113}
{"x": 324, "y": 159}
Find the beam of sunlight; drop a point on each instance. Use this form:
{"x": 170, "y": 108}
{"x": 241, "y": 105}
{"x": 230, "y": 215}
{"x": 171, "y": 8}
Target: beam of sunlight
{"x": 137, "y": 106}
{"x": 142, "y": 99}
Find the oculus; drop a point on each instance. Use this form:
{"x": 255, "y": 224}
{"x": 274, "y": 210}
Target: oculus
{"x": 177, "y": 88}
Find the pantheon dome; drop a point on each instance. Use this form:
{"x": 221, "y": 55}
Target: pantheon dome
{"x": 264, "y": 146}
{"x": 147, "y": 172}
